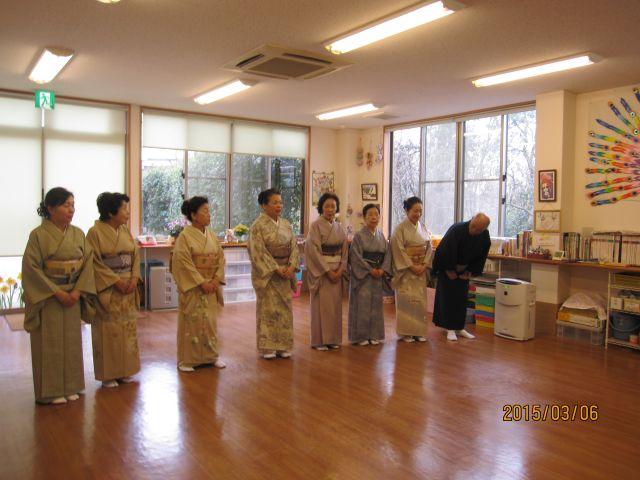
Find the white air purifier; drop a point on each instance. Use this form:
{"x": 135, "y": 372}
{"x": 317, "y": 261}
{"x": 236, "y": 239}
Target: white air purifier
{"x": 515, "y": 312}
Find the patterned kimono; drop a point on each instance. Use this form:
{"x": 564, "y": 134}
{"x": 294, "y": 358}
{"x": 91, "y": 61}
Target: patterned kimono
{"x": 410, "y": 245}
{"x": 326, "y": 249}
{"x": 54, "y": 261}
{"x": 114, "y": 331}
{"x": 272, "y": 246}
{"x": 366, "y": 315}
{"x": 197, "y": 257}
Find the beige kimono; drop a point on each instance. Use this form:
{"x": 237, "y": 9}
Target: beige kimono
{"x": 326, "y": 249}
{"x": 272, "y": 245}
{"x": 114, "y": 330}
{"x": 197, "y": 258}
{"x": 54, "y": 261}
{"x": 410, "y": 245}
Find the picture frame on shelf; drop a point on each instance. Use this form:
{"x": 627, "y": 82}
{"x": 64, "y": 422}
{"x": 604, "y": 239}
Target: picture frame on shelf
{"x": 547, "y": 185}
{"x": 546, "y": 221}
{"x": 558, "y": 255}
{"x": 369, "y": 191}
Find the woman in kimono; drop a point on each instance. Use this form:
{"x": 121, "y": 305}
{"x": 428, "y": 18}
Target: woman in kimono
{"x": 197, "y": 266}
{"x": 370, "y": 261}
{"x": 411, "y": 249}
{"x": 116, "y": 265}
{"x": 326, "y": 256}
{"x": 59, "y": 291}
{"x": 273, "y": 250}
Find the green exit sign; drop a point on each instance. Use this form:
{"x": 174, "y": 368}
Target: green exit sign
{"x": 45, "y": 99}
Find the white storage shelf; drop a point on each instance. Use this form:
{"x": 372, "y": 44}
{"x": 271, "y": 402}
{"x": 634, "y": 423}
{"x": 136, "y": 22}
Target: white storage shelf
{"x": 237, "y": 271}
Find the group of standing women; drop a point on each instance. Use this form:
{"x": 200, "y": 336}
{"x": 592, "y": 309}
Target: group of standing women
{"x": 68, "y": 278}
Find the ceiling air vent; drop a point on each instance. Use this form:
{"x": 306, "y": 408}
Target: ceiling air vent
{"x": 285, "y": 63}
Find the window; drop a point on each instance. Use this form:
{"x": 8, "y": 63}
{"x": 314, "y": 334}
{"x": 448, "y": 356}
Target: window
{"x": 186, "y": 155}
{"x": 253, "y": 173}
{"x": 405, "y": 168}
{"x": 79, "y": 146}
{"x": 481, "y": 173}
{"x": 463, "y": 167}
{"x": 439, "y": 186}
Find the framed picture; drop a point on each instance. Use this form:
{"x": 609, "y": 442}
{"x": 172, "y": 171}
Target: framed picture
{"x": 321, "y": 182}
{"x": 546, "y": 221}
{"x": 369, "y": 191}
{"x": 558, "y": 255}
{"x": 547, "y": 186}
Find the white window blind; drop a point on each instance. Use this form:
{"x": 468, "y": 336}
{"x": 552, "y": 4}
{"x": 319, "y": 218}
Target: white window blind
{"x": 269, "y": 140}
{"x": 180, "y": 132}
{"x": 84, "y": 150}
{"x": 21, "y": 178}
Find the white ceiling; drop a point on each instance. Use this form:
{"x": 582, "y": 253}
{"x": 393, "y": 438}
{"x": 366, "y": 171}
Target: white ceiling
{"x": 163, "y": 52}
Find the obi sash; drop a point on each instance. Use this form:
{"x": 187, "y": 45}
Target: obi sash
{"x": 281, "y": 254}
{"x": 417, "y": 254}
{"x": 332, "y": 250}
{"x": 374, "y": 259}
{"x": 206, "y": 264}
{"x": 120, "y": 263}
{"x": 63, "y": 272}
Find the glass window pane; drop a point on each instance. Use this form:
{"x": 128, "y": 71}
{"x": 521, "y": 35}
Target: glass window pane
{"x": 286, "y": 175}
{"x": 482, "y": 196}
{"x": 20, "y": 158}
{"x": 249, "y": 177}
{"x": 482, "y": 148}
{"x": 440, "y": 152}
{"x": 84, "y": 151}
{"x": 405, "y": 181}
{"x": 440, "y": 205}
{"x": 206, "y": 176}
{"x": 520, "y": 170}
{"x": 162, "y": 188}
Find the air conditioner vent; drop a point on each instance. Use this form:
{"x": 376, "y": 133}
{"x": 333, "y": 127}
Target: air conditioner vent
{"x": 286, "y": 63}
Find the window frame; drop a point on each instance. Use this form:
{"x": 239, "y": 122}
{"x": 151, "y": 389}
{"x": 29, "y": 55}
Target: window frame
{"x": 459, "y": 180}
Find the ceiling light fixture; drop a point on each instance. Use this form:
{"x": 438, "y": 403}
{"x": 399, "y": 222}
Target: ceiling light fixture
{"x": 108, "y": 1}
{"x": 347, "y": 112}
{"x": 537, "y": 69}
{"x": 51, "y": 61}
{"x": 223, "y": 91}
{"x": 393, "y": 24}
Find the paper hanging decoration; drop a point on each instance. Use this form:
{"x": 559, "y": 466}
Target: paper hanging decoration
{"x": 619, "y": 157}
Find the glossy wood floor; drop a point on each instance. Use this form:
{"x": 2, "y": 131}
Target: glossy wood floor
{"x": 432, "y": 410}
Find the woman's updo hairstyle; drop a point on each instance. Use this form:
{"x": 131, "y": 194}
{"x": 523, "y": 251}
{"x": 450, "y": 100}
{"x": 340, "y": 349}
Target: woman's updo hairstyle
{"x": 54, "y": 198}
{"x": 191, "y": 206}
{"x": 265, "y": 195}
{"x": 410, "y": 202}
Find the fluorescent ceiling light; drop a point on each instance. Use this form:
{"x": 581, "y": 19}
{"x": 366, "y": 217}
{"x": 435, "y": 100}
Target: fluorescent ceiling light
{"x": 51, "y": 61}
{"x": 346, "y": 112}
{"x": 535, "y": 70}
{"x": 223, "y": 91}
{"x": 109, "y": 1}
{"x": 394, "y": 24}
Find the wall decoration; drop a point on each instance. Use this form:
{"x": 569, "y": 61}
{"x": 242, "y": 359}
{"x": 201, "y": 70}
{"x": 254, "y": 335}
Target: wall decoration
{"x": 321, "y": 182}
{"x": 360, "y": 153}
{"x": 547, "y": 221}
{"x": 617, "y": 154}
{"x": 369, "y": 191}
{"x": 547, "y": 186}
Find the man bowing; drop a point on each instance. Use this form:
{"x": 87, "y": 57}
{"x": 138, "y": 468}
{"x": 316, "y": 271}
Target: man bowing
{"x": 460, "y": 255}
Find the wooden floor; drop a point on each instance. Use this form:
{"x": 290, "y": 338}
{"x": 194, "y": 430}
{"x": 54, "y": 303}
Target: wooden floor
{"x": 396, "y": 411}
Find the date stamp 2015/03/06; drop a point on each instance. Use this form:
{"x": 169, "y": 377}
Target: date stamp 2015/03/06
{"x": 516, "y": 412}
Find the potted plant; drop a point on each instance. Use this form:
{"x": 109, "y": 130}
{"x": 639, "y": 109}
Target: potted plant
{"x": 241, "y": 231}
{"x": 175, "y": 227}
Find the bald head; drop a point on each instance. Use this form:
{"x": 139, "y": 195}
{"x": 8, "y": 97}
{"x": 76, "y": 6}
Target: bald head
{"x": 479, "y": 223}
